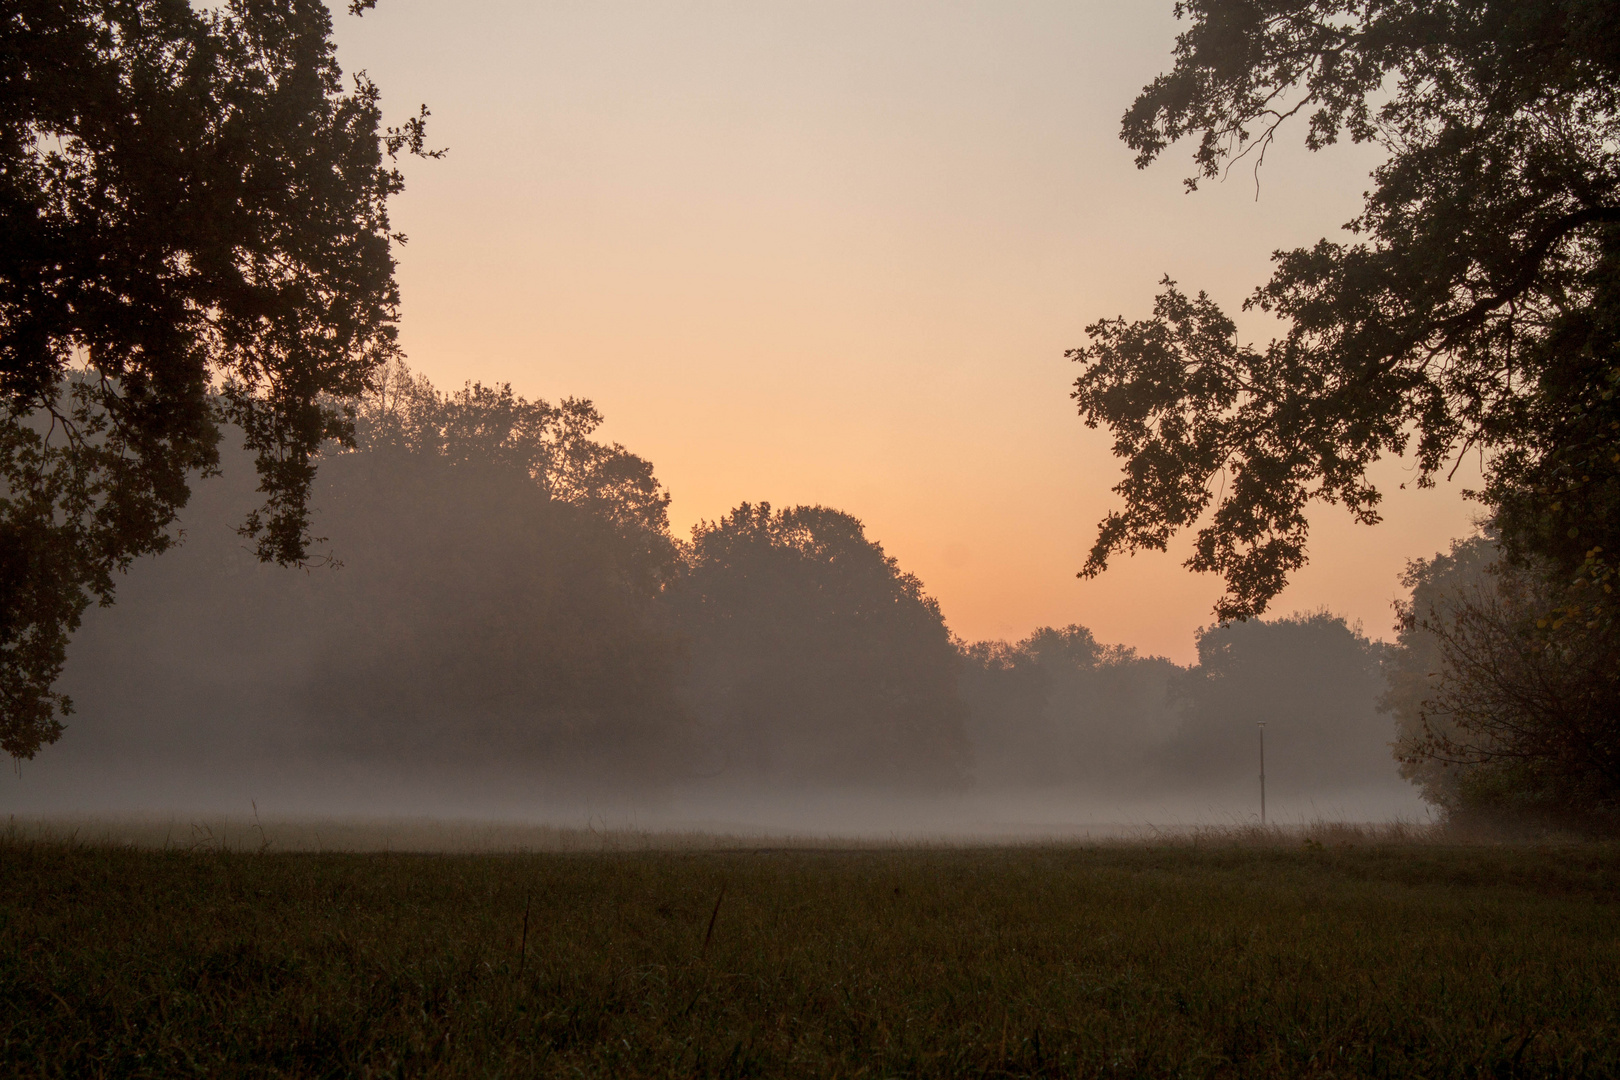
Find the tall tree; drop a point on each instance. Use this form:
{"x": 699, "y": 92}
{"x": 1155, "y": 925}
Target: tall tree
{"x": 476, "y": 626}
{"x": 193, "y": 229}
{"x": 1314, "y": 680}
{"x": 815, "y": 658}
{"x": 550, "y": 444}
{"x": 1060, "y": 708}
{"x": 1476, "y": 306}
{"x": 1504, "y": 712}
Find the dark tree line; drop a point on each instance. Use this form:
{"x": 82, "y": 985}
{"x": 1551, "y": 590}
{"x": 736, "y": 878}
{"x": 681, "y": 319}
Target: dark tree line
{"x": 1059, "y": 709}
{"x": 197, "y": 257}
{"x": 1474, "y": 308}
{"x": 194, "y": 232}
{"x": 500, "y": 584}
{"x": 461, "y": 604}
{"x": 497, "y": 585}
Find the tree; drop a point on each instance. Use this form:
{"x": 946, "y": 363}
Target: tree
{"x": 1058, "y": 708}
{"x": 1061, "y": 708}
{"x": 193, "y": 229}
{"x": 480, "y": 620}
{"x": 1414, "y": 665}
{"x": 1504, "y": 713}
{"x": 475, "y": 619}
{"x": 1314, "y": 680}
{"x": 815, "y": 658}
{"x": 550, "y": 444}
{"x": 1476, "y": 307}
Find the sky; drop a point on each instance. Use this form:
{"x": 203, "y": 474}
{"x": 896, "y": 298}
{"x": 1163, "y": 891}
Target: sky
{"x": 833, "y": 252}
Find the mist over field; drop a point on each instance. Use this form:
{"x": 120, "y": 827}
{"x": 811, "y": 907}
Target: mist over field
{"x": 478, "y": 640}
{"x": 974, "y": 660}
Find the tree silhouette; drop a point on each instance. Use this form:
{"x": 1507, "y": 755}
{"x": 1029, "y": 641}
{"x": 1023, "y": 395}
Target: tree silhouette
{"x": 1478, "y": 307}
{"x": 1313, "y": 679}
{"x": 1501, "y": 714}
{"x": 194, "y": 213}
{"x": 550, "y": 444}
{"x": 1059, "y": 708}
{"x": 477, "y": 620}
{"x": 815, "y": 658}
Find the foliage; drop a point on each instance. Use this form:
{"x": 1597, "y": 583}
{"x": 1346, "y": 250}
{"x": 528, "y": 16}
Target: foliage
{"x": 476, "y": 621}
{"x": 195, "y": 224}
{"x": 465, "y": 620}
{"x": 505, "y": 588}
{"x": 503, "y": 593}
{"x": 1060, "y": 708}
{"x": 815, "y": 657}
{"x": 552, "y": 445}
{"x": 1414, "y": 667}
{"x": 1171, "y": 961}
{"x": 1503, "y": 711}
{"x": 1313, "y": 680}
{"x": 1476, "y": 307}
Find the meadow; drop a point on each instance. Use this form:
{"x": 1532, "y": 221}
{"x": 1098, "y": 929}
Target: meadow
{"x": 1192, "y": 957}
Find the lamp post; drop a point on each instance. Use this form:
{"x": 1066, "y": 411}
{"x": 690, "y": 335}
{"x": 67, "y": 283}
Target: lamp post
{"x": 1262, "y": 725}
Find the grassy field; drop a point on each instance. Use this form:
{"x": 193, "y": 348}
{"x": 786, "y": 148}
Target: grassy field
{"x": 1211, "y": 959}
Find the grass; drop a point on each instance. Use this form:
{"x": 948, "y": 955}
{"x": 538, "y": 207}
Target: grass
{"x": 1258, "y": 955}
{"x": 469, "y": 836}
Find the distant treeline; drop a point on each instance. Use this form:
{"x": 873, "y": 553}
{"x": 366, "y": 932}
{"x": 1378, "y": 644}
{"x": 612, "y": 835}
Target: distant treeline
{"x": 498, "y": 584}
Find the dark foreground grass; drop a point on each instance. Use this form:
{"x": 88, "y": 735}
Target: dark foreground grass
{"x": 1128, "y": 961}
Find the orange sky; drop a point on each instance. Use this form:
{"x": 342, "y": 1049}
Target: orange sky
{"x": 832, "y": 252}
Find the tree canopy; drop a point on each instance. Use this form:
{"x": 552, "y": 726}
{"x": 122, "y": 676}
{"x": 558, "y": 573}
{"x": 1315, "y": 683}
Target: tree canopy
{"x": 193, "y": 229}
{"x": 815, "y": 658}
{"x": 550, "y": 444}
{"x": 475, "y": 620}
{"x": 1499, "y": 717}
{"x": 1475, "y": 306}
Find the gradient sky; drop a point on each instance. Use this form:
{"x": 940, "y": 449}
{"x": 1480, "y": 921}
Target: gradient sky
{"x": 833, "y": 252}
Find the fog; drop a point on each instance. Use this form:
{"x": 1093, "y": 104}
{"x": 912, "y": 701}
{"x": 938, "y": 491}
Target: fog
{"x": 498, "y": 626}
